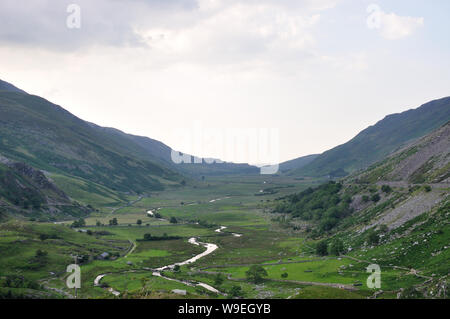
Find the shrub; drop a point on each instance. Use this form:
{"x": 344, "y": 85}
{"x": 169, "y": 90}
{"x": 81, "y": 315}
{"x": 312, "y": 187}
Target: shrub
{"x": 235, "y": 291}
{"x": 322, "y": 248}
{"x": 256, "y": 274}
{"x": 337, "y": 247}
{"x": 373, "y": 238}
{"x": 386, "y": 188}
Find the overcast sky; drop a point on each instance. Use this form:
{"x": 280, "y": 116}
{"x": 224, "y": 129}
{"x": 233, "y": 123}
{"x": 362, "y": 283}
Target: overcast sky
{"x": 319, "y": 71}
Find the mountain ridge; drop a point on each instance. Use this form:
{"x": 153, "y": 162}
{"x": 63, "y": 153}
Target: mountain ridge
{"x": 379, "y": 140}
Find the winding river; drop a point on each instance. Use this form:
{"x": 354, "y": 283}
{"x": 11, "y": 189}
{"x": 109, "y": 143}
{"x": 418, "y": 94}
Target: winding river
{"x": 157, "y": 272}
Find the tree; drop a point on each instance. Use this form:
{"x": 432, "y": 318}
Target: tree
{"x": 386, "y": 188}
{"x": 173, "y": 220}
{"x": 337, "y": 247}
{"x": 176, "y": 268}
{"x": 218, "y": 279}
{"x": 79, "y": 223}
{"x": 375, "y": 197}
{"x": 139, "y": 222}
{"x": 284, "y": 275}
{"x": 322, "y": 248}
{"x": 114, "y": 221}
{"x": 384, "y": 228}
{"x": 373, "y": 238}
{"x": 235, "y": 291}
{"x": 157, "y": 215}
{"x": 256, "y": 274}
{"x": 147, "y": 236}
{"x": 97, "y": 223}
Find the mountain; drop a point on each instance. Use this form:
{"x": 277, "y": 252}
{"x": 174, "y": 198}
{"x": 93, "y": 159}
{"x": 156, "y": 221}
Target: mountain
{"x": 162, "y": 154}
{"x": 396, "y": 212}
{"x": 47, "y": 137}
{"x": 5, "y": 86}
{"x": 425, "y": 161}
{"x": 408, "y": 183}
{"x": 379, "y": 140}
{"x": 297, "y": 163}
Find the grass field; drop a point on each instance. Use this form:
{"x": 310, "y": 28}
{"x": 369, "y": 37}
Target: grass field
{"x": 250, "y": 237}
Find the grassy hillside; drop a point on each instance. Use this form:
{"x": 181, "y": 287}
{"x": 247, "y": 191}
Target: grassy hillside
{"x": 297, "y": 163}
{"x": 5, "y": 86}
{"x": 44, "y": 135}
{"x": 394, "y": 213}
{"x": 376, "y": 142}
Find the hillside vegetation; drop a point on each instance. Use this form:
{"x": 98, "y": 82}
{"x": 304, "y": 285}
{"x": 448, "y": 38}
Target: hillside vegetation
{"x": 396, "y": 212}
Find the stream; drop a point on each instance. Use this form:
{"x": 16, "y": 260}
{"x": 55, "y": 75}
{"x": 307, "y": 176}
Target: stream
{"x": 157, "y": 272}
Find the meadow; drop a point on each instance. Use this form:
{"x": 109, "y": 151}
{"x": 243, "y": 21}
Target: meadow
{"x": 249, "y": 235}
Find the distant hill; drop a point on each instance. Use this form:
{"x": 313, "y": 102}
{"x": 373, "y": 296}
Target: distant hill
{"x": 379, "y": 140}
{"x": 161, "y": 153}
{"x": 297, "y": 163}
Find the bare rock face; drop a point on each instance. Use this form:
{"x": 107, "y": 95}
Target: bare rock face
{"x": 37, "y": 177}
{"x": 429, "y": 153}
{"x": 427, "y": 160}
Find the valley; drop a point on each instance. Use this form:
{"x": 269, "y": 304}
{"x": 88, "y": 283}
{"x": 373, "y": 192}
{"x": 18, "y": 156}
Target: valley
{"x": 137, "y": 268}
{"x": 140, "y": 226}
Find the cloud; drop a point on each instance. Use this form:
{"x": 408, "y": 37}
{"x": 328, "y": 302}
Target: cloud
{"x": 42, "y": 23}
{"x": 174, "y": 25}
{"x": 392, "y": 26}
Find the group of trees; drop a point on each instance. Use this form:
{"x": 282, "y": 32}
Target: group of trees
{"x": 256, "y": 274}
{"x": 374, "y": 198}
{"x": 335, "y": 248}
{"x": 149, "y": 237}
{"x": 323, "y": 204}
{"x": 78, "y": 223}
{"x": 17, "y": 281}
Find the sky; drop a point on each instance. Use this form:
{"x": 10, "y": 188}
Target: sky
{"x": 316, "y": 72}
